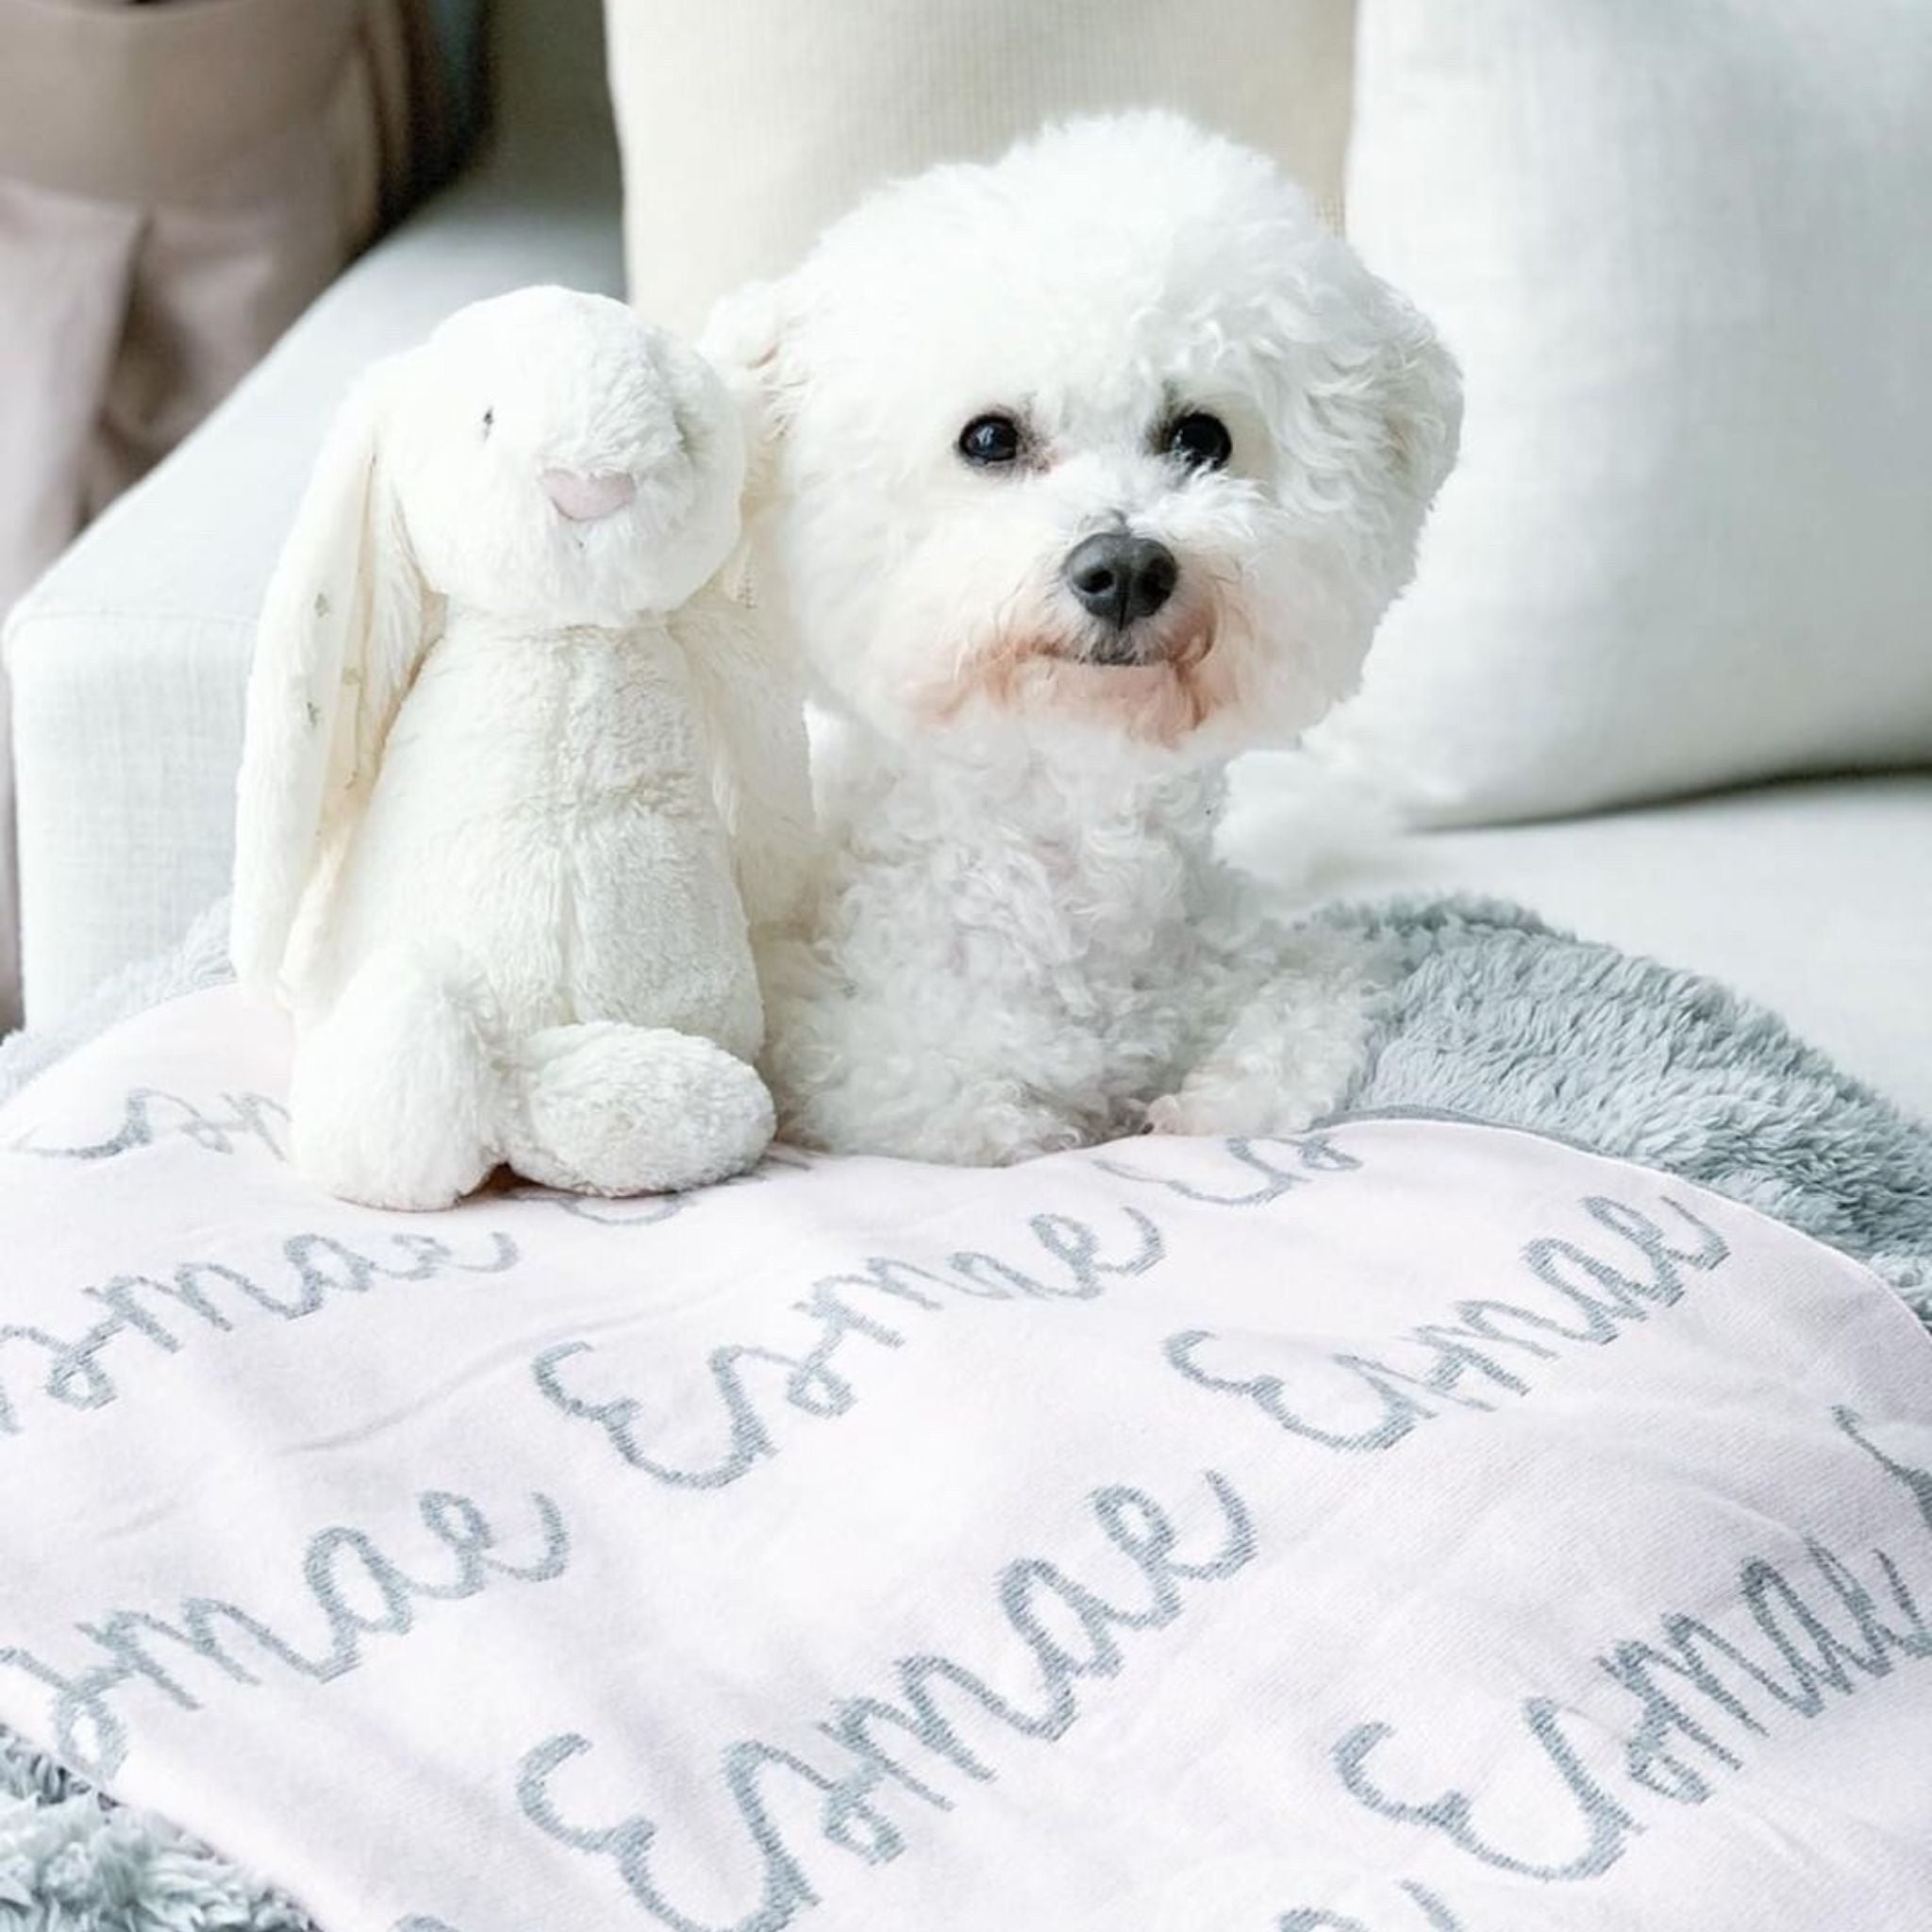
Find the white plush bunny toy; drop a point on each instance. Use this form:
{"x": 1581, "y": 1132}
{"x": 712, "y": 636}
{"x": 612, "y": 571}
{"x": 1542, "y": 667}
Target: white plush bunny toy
{"x": 517, "y": 772}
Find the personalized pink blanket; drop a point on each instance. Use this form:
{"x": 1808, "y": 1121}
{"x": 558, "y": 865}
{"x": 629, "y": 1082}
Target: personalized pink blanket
{"x": 1411, "y": 1527}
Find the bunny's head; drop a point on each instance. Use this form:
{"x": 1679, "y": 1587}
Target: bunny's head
{"x": 552, "y": 457}
{"x": 545, "y": 458}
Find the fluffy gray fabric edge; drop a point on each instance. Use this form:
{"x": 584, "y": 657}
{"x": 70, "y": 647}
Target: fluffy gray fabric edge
{"x": 1490, "y": 1015}
{"x": 1486, "y": 1015}
{"x": 198, "y": 960}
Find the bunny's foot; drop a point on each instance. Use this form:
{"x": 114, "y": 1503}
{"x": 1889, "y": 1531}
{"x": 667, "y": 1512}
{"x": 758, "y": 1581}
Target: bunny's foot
{"x": 607, "y": 1108}
{"x": 394, "y": 1092}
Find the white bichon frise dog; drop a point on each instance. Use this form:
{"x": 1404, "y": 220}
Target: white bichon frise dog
{"x": 1074, "y": 474}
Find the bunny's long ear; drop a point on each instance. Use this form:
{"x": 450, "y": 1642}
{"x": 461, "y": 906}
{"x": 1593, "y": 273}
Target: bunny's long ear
{"x": 342, "y": 629}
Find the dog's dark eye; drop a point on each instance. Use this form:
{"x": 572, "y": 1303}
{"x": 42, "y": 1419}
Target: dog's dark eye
{"x": 1199, "y": 440}
{"x": 488, "y": 421}
{"x": 989, "y": 440}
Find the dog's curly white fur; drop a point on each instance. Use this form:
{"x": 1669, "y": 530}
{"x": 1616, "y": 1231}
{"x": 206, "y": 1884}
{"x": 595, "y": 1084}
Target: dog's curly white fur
{"x": 502, "y": 730}
{"x": 1021, "y": 938}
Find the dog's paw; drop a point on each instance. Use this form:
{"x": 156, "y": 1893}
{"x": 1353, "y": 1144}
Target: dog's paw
{"x": 1172, "y": 1114}
{"x": 1237, "y": 1110}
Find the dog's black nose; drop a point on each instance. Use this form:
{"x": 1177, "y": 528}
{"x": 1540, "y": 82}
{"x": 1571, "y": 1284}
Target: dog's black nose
{"x": 1121, "y": 578}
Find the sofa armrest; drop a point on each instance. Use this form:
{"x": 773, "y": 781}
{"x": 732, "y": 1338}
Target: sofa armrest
{"x": 128, "y": 660}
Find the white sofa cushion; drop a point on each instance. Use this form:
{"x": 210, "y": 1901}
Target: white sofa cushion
{"x": 1814, "y": 899}
{"x": 1685, "y": 255}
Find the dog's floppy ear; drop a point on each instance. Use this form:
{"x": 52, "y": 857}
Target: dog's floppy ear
{"x": 749, "y": 340}
{"x": 1377, "y": 410}
{"x": 1420, "y": 393}
{"x": 343, "y": 626}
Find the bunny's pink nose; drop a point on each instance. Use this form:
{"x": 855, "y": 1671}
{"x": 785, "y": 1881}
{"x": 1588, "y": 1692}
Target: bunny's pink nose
{"x": 583, "y": 499}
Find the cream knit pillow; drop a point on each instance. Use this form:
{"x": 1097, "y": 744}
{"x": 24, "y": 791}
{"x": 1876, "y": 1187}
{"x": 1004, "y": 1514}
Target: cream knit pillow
{"x": 746, "y": 125}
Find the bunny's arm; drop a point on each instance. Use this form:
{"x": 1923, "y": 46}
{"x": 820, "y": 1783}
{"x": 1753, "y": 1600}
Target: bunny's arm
{"x": 754, "y": 719}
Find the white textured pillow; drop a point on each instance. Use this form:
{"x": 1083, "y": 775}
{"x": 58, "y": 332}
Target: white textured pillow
{"x": 1684, "y": 251}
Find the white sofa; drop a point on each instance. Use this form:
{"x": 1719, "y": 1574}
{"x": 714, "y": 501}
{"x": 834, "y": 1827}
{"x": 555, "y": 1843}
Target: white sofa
{"x": 128, "y": 661}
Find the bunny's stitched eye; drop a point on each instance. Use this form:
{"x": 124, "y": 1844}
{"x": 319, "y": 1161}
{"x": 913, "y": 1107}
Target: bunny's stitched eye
{"x": 489, "y": 423}
{"x": 989, "y": 441}
{"x": 1199, "y": 440}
